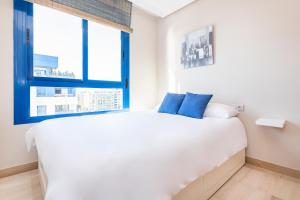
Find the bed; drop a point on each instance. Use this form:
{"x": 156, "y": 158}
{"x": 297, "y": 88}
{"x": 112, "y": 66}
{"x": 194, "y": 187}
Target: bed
{"x": 137, "y": 155}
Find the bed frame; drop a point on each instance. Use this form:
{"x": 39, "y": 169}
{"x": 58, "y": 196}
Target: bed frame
{"x": 205, "y": 186}
{"x": 202, "y": 188}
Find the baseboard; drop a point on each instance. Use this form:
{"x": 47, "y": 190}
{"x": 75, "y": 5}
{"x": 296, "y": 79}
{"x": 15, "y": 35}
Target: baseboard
{"x": 18, "y": 169}
{"x": 273, "y": 167}
{"x": 259, "y": 163}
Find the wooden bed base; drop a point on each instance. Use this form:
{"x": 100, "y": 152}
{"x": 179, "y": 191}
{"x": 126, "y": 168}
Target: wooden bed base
{"x": 202, "y": 188}
{"x": 205, "y": 186}
{"x": 43, "y": 178}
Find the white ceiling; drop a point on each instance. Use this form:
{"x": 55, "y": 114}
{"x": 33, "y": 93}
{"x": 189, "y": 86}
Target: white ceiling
{"x": 161, "y": 8}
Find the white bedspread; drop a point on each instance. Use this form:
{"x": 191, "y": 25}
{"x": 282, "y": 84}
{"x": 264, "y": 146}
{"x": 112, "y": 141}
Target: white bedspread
{"x": 131, "y": 156}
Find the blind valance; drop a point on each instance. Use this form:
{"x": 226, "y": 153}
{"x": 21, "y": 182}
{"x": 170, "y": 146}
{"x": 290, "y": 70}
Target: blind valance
{"x": 116, "y": 13}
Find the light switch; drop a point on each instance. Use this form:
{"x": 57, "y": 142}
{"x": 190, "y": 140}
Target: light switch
{"x": 239, "y": 107}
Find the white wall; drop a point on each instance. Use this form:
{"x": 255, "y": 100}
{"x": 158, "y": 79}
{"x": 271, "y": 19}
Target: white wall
{"x": 142, "y": 72}
{"x": 143, "y": 43}
{"x": 257, "y": 46}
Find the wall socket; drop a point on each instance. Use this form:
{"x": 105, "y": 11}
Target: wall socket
{"x": 239, "y": 107}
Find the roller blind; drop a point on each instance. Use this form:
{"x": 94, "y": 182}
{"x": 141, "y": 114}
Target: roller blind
{"x": 116, "y": 13}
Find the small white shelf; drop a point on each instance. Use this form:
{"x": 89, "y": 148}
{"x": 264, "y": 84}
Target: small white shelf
{"x": 277, "y": 123}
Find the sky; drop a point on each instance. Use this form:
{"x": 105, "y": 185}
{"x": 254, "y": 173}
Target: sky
{"x": 60, "y": 34}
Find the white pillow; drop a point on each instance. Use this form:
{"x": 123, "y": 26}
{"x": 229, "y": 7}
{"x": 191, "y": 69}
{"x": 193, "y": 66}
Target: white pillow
{"x": 218, "y": 110}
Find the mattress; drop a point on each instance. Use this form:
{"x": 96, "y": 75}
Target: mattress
{"x": 134, "y": 155}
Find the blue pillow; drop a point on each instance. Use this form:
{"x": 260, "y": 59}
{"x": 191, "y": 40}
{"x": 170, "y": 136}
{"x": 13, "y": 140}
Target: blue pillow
{"x": 171, "y": 103}
{"x": 194, "y": 105}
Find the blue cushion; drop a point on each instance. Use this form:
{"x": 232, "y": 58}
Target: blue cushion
{"x": 194, "y": 105}
{"x": 171, "y": 103}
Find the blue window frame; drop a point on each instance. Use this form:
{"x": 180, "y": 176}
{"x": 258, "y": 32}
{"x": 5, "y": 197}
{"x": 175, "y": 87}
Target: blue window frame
{"x": 23, "y": 69}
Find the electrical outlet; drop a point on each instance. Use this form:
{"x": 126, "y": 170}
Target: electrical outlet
{"x": 239, "y": 107}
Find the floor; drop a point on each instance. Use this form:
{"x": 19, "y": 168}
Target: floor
{"x": 250, "y": 183}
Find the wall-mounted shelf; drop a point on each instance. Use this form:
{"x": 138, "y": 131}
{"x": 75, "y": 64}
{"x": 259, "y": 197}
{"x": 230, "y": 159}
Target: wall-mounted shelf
{"x": 277, "y": 123}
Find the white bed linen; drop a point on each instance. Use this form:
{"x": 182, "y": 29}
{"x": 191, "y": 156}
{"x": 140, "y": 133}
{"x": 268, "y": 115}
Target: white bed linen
{"x": 131, "y": 156}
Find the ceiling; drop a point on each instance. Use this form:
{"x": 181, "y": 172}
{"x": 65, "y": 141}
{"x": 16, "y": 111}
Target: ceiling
{"x": 161, "y": 8}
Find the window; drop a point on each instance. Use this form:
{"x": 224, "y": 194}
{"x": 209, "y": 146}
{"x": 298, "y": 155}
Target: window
{"x": 57, "y": 44}
{"x": 62, "y": 109}
{"x": 66, "y": 66}
{"x": 104, "y": 53}
{"x": 60, "y": 100}
{"x": 41, "y": 110}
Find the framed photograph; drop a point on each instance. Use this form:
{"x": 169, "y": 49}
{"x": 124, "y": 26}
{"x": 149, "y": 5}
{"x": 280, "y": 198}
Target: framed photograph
{"x": 197, "y": 48}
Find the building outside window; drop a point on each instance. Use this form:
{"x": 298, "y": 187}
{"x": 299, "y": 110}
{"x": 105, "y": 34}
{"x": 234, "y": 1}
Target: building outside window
{"x": 41, "y": 110}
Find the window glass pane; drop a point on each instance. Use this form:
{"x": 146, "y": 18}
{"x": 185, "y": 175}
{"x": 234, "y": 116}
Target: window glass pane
{"x": 104, "y": 52}
{"x": 61, "y": 100}
{"x": 57, "y": 44}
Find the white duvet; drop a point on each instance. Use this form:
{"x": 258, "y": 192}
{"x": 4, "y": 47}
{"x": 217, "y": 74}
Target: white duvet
{"x": 131, "y": 156}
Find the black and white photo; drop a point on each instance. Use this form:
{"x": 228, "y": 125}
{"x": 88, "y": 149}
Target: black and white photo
{"x": 197, "y": 48}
